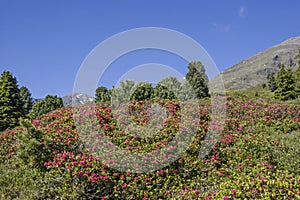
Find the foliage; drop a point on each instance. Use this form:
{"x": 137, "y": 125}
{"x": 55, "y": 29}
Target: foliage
{"x": 297, "y": 81}
{"x": 102, "y": 94}
{"x": 285, "y": 84}
{"x": 142, "y": 91}
{"x": 46, "y": 105}
{"x": 197, "y": 78}
{"x": 26, "y": 100}
{"x": 272, "y": 81}
{"x": 255, "y": 155}
{"x": 122, "y": 94}
{"x": 10, "y": 101}
{"x": 168, "y": 88}
{"x": 32, "y": 146}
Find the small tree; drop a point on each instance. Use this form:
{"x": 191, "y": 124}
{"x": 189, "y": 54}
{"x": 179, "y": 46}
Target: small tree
{"x": 10, "y": 101}
{"x": 46, "y": 105}
{"x": 26, "y": 100}
{"x": 168, "y": 88}
{"x": 272, "y": 81}
{"x": 122, "y": 94}
{"x": 32, "y": 150}
{"x": 285, "y": 84}
{"x": 142, "y": 91}
{"x": 102, "y": 94}
{"x": 197, "y": 78}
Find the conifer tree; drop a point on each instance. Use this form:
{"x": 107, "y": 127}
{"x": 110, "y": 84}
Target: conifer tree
{"x": 285, "y": 84}
{"x": 197, "y": 78}
{"x": 10, "y": 101}
{"x": 272, "y": 81}
{"x": 26, "y": 100}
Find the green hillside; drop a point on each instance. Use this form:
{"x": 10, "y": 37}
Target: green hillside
{"x": 255, "y": 156}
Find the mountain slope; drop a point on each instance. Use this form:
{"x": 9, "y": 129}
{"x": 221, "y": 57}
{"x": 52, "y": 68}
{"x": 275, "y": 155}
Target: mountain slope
{"x": 253, "y": 71}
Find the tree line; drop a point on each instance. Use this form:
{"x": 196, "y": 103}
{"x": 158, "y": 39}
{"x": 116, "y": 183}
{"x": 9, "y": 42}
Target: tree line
{"x": 285, "y": 84}
{"x": 195, "y": 85}
{"x": 16, "y": 102}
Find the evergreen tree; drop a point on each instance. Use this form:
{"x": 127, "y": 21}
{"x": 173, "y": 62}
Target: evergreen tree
{"x": 197, "y": 78}
{"x": 298, "y": 57}
{"x": 10, "y": 101}
{"x": 102, "y": 94}
{"x": 26, "y": 100}
{"x": 46, "y": 105}
{"x": 285, "y": 84}
{"x": 297, "y": 82}
{"x": 272, "y": 81}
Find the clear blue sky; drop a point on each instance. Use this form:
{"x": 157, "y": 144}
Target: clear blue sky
{"x": 43, "y": 43}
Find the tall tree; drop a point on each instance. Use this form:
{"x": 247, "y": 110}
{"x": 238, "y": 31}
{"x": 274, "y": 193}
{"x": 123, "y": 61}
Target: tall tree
{"x": 272, "y": 81}
{"x": 197, "y": 78}
{"x": 46, "y": 105}
{"x": 102, "y": 94}
{"x": 297, "y": 81}
{"x": 26, "y": 99}
{"x": 285, "y": 84}
{"x": 10, "y": 101}
{"x": 298, "y": 57}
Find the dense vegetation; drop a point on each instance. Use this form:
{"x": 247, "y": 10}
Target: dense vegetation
{"x": 256, "y": 156}
{"x": 51, "y": 153}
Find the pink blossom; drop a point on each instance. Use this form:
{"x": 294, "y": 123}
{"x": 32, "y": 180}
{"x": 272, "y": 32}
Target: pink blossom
{"x": 233, "y": 191}
{"x": 226, "y": 198}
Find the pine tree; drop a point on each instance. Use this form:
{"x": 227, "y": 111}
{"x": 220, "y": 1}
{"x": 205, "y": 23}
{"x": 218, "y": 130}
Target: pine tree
{"x": 272, "y": 81}
{"x": 10, "y": 101}
{"x": 26, "y": 100}
{"x": 285, "y": 84}
{"x": 197, "y": 78}
{"x": 297, "y": 82}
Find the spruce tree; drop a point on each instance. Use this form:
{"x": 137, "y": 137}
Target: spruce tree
{"x": 285, "y": 84}
{"x": 297, "y": 82}
{"x": 26, "y": 100}
{"x": 272, "y": 81}
{"x": 10, "y": 101}
{"x": 197, "y": 78}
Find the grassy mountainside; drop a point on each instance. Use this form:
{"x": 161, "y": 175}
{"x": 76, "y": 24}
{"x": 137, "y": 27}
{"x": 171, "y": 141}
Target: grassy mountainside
{"x": 256, "y": 154}
{"x": 253, "y": 71}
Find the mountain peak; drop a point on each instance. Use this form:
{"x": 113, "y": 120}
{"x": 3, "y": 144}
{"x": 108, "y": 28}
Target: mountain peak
{"x": 76, "y": 98}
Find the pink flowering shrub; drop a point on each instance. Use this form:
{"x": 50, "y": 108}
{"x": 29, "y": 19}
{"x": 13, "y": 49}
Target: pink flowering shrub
{"x": 247, "y": 161}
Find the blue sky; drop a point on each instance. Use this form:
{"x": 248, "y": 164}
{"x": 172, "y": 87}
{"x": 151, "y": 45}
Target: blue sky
{"x": 43, "y": 43}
